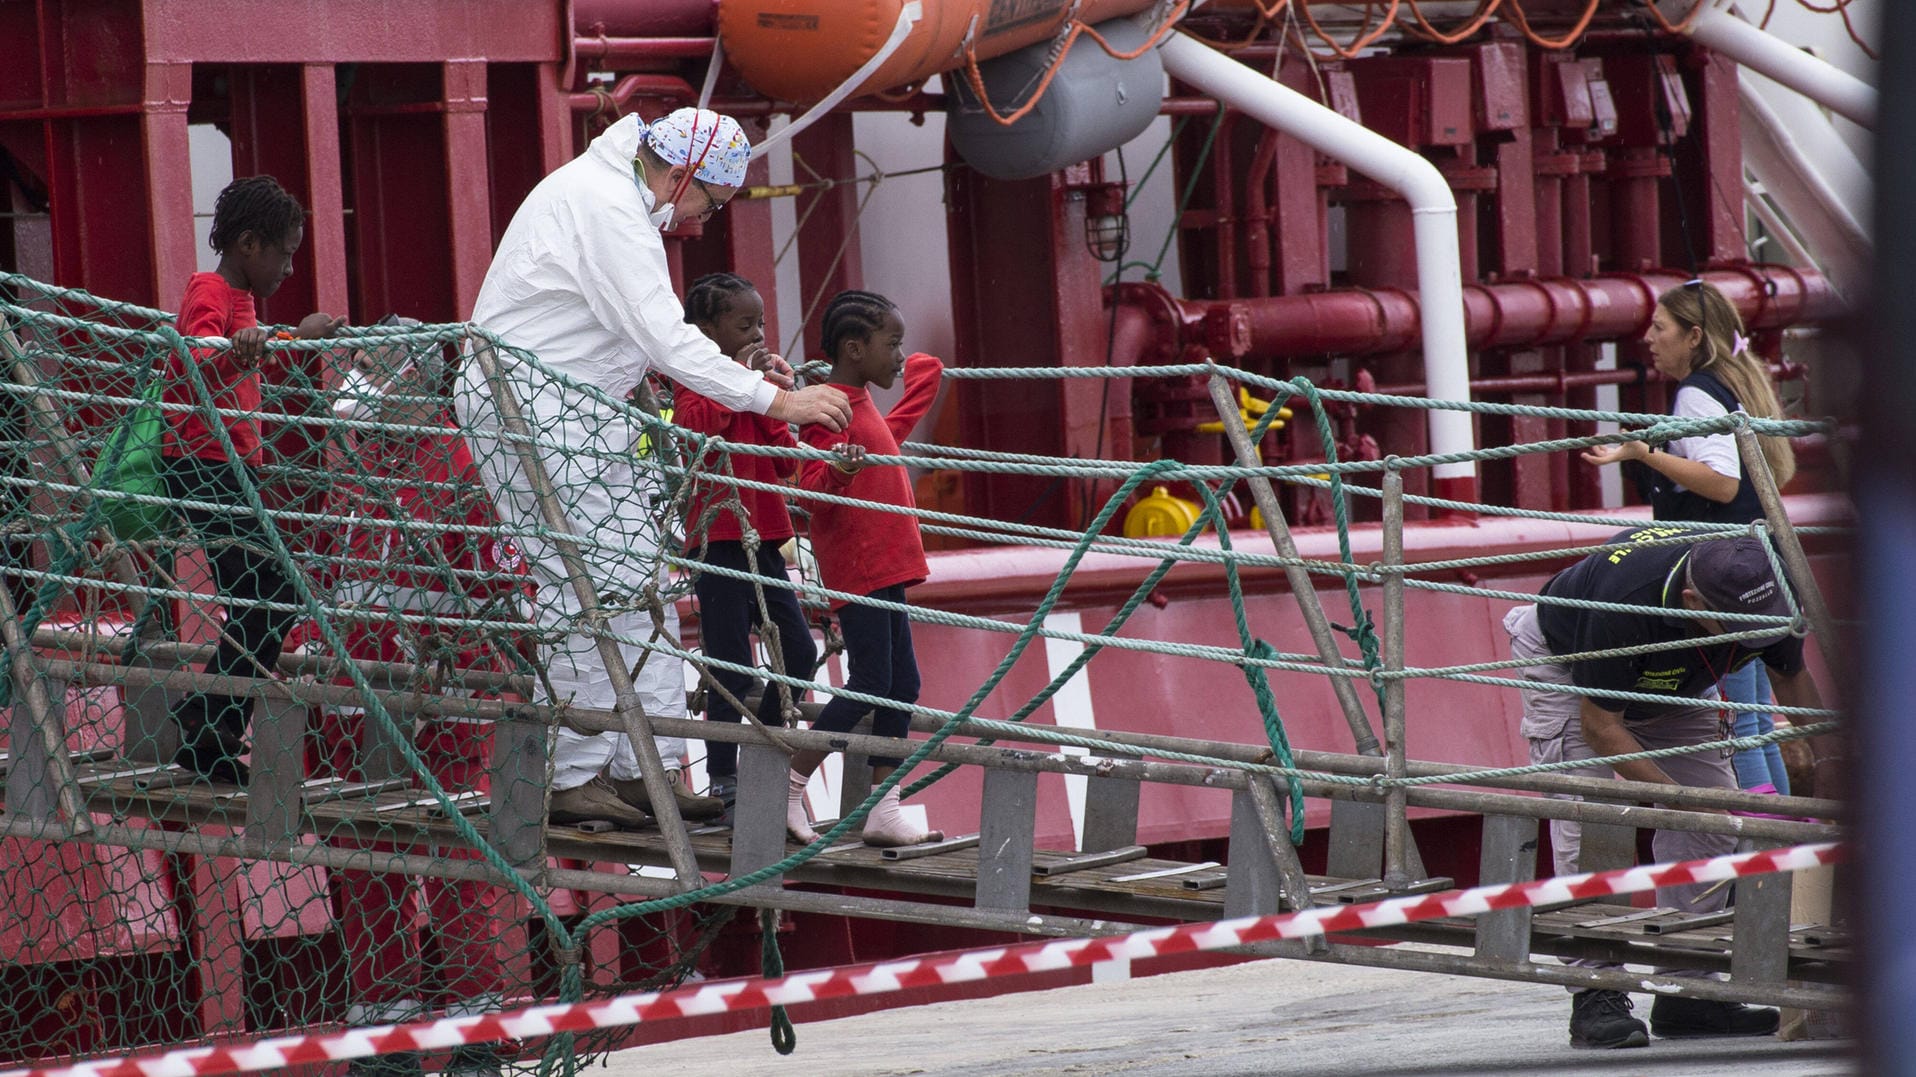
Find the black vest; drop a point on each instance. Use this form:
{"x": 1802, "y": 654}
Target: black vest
{"x": 1669, "y": 501}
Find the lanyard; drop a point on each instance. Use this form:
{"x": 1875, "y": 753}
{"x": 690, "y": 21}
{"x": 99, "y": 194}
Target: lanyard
{"x": 1722, "y": 712}
{"x": 692, "y": 166}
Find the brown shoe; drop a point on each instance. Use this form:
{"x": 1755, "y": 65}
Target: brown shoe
{"x": 691, "y": 805}
{"x": 596, "y": 799}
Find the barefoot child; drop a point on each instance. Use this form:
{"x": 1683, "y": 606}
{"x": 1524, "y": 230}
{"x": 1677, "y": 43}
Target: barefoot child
{"x": 257, "y": 227}
{"x": 728, "y": 309}
{"x": 867, "y": 552}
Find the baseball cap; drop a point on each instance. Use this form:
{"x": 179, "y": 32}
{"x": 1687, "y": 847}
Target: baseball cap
{"x": 1734, "y": 576}
{"x": 713, "y": 145}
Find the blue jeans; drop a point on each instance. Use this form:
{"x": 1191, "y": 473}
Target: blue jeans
{"x": 1754, "y": 766}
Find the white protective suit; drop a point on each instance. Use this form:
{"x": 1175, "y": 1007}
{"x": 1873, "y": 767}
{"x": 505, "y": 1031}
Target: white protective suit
{"x": 580, "y": 280}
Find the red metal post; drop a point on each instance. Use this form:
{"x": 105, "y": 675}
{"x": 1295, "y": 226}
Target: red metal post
{"x": 1299, "y": 203}
{"x": 1713, "y": 172}
{"x": 1026, "y": 292}
{"x": 1503, "y": 106}
{"x": 1380, "y": 255}
{"x": 326, "y": 230}
{"x": 209, "y": 890}
{"x": 553, "y": 126}
{"x": 284, "y": 122}
{"x": 746, "y": 235}
{"x": 1226, "y": 230}
{"x": 169, "y": 176}
{"x": 468, "y": 181}
{"x": 102, "y": 156}
{"x": 529, "y": 130}
{"x": 398, "y": 193}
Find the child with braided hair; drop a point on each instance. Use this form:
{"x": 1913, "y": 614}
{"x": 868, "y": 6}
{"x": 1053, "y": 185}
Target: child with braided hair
{"x": 728, "y": 309}
{"x": 257, "y": 228}
{"x": 866, "y": 552}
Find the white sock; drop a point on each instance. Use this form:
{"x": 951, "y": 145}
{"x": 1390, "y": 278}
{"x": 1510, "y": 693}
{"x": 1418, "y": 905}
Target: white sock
{"x": 798, "y": 819}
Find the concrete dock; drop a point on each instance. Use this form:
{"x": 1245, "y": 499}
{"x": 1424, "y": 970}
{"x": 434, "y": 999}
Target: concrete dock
{"x": 1259, "y": 1018}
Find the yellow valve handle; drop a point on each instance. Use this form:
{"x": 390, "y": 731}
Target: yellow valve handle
{"x": 1250, "y": 408}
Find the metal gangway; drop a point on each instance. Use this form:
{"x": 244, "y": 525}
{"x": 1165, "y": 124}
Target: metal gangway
{"x": 121, "y": 792}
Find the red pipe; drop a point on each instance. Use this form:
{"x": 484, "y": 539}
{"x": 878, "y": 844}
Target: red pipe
{"x": 669, "y": 87}
{"x": 918, "y": 102}
{"x": 1188, "y": 106}
{"x": 1531, "y": 383}
{"x": 1563, "y": 382}
{"x": 1257, "y": 213}
{"x": 1516, "y": 314}
{"x": 1225, "y": 208}
{"x": 638, "y": 49}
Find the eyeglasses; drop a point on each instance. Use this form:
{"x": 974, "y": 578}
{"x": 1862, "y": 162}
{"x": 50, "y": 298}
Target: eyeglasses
{"x": 712, "y": 205}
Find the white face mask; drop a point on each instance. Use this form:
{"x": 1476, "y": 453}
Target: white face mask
{"x": 359, "y": 397}
{"x": 662, "y": 216}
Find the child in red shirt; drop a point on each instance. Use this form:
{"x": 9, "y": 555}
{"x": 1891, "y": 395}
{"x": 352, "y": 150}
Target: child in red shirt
{"x": 728, "y": 309}
{"x": 864, "y": 551}
{"x": 257, "y": 227}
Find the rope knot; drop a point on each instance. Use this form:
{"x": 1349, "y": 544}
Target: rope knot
{"x": 567, "y": 954}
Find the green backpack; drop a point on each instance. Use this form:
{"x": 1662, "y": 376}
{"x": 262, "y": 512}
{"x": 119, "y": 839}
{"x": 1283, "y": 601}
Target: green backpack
{"x": 137, "y": 471}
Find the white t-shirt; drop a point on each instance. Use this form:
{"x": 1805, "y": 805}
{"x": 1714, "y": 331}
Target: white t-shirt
{"x": 1716, "y": 451}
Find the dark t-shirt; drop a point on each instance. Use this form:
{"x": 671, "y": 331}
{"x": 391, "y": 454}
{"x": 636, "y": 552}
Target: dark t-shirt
{"x": 1643, "y": 576}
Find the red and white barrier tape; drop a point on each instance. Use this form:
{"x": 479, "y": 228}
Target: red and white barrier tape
{"x": 965, "y": 966}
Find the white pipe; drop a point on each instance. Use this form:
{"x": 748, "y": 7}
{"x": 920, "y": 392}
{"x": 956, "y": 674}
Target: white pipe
{"x": 1440, "y": 285}
{"x": 1779, "y": 230}
{"x": 1824, "y": 83}
{"x": 1811, "y": 175}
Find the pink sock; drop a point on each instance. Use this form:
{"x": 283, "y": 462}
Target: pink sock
{"x": 887, "y": 825}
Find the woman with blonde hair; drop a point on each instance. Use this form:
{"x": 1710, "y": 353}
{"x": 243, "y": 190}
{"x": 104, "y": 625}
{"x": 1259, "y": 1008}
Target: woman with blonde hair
{"x": 1696, "y": 339}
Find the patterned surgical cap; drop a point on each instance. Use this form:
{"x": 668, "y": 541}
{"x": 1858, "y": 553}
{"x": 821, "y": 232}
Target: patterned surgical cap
{"x": 701, "y": 137}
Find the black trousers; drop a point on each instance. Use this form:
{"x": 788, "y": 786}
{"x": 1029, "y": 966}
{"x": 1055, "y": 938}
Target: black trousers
{"x": 728, "y": 612}
{"x": 879, "y": 652}
{"x": 245, "y": 574}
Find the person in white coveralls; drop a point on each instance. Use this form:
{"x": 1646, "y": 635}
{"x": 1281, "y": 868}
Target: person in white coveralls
{"x": 580, "y": 280}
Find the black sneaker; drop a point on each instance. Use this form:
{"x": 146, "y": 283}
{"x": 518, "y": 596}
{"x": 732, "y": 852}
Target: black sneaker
{"x": 725, "y": 788}
{"x": 1673, "y": 1017}
{"x": 1601, "y": 1019}
{"x": 207, "y": 754}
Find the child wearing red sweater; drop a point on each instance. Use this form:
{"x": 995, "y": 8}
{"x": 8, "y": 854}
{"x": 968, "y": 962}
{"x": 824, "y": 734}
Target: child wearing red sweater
{"x": 257, "y": 228}
{"x": 864, "y": 551}
{"x": 728, "y": 309}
